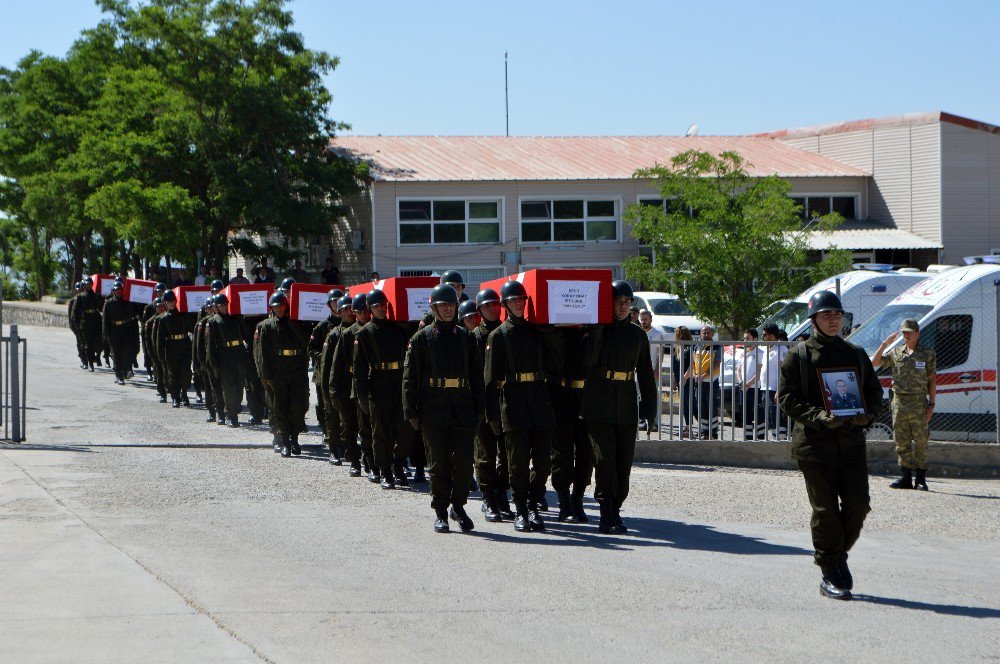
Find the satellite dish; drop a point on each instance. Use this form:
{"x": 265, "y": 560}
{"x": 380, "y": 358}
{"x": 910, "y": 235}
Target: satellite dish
{"x": 692, "y": 130}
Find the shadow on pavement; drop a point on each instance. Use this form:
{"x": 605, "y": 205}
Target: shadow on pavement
{"x": 43, "y": 448}
{"x": 673, "y": 466}
{"x": 943, "y": 609}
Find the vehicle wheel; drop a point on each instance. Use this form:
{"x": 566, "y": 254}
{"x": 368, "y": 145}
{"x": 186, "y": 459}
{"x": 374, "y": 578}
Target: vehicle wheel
{"x": 879, "y": 431}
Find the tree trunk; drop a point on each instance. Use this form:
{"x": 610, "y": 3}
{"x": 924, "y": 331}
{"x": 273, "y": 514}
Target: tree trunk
{"x": 169, "y": 276}
{"x": 108, "y": 241}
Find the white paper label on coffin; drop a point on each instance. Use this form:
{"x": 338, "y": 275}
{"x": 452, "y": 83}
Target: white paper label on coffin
{"x": 312, "y": 306}
{"x": 253, "y": 302}
{"x": 106, "y": 285}
{"x": 418, "y": 302}
{"x": 195, "y": 299}
{"x": 573, "y": 301}
{"x": 140, "y": 294}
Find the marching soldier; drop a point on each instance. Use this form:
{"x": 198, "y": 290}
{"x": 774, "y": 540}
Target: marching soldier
{"x": 173, "y": 345}
{"x": 81, "y": 345}
{"x": 346, "y": 436}
{"x": 284, "y": 369}
{"x": 117, "y": 316}
{"x": 256, "y": 403}
{"x": 914, "y": 387}
{"x": 518, "y": 356}
{"x": 328, "y": 418}
{"x": 199, "y": 361}
{"x": 572, "y": 455}
{"x": 226, "y": 358}
{"x": 830, "y": 450}
{"x": 147, "y": 350}
{"x": 277, "y": 441}
{"x": 343, "y": 386}
{"x": 454, "y": 279}
{"x": 618, "y": 364}
{"x": 378, "y": 372}
{"x": 159, "y": 367}
{"x": 443, "y": 398}
{"x": 87, "y": 317}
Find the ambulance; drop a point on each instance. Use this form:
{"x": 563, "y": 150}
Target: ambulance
{"x": 957, "y": 312}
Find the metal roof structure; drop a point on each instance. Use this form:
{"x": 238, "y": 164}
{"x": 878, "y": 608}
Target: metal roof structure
{"x": 525, "y": 158}
{"x": 890, "y": 121}
{"x": 865, "y": 239}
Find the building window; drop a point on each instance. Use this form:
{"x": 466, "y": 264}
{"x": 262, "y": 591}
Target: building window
{"x": 817, "y": 206}
{"x": 577, "y": 220}
{"x": 449, "y": 221}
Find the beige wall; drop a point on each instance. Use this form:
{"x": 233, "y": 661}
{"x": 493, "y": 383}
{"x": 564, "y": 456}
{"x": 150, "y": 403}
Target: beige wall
{"x": 971, "y": 202}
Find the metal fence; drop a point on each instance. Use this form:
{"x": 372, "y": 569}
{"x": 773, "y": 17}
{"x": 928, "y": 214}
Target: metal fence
{"x": 13, "y": 385}
{"x": 725, "y": 390}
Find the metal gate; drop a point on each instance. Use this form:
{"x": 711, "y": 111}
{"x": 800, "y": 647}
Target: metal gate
{"x": 13, "y": 383}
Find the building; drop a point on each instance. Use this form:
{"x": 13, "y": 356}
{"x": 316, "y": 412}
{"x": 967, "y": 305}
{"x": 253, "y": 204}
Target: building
{"x": 915, "y": 190}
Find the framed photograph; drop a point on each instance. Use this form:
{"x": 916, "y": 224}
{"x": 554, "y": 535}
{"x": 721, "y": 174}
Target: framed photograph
{"x": 841, "y": 391}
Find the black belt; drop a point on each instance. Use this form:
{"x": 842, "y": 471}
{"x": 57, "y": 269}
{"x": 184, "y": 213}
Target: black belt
{"x": 620, "y": 375}
{"x": 177, "y": 337}
{"x": 289, "y": 353}
{"x": 232, "y": 344}
{"x": 386, "y": 366}
{"x": 449, "y": 383}
{"x": 575, "y": 384}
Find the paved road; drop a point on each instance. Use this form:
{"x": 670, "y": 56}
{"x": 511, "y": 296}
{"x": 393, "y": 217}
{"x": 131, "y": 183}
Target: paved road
{"x": 135, "y": 532}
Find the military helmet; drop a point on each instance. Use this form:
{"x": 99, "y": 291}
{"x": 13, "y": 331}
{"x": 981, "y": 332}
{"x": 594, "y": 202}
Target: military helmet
{"x": 118, "y": 284}
{"x": 169, "y": 296}
{"x": 286, "y": 283}
{"x": 822, "y": 301}
{"x": 208, "y": 303}
{"x": 220, "y": 300}
{"x": 359, "y": 303}
{"x": 334, "y": 295}
{"x": 452, "y": 277}
{"x": 78, "y": 285}
{"x": 444, "y": 294}
{"x": 217, "y": 285}
{"x": 486, "y": 296}
{"x": 88, "y": 281}
{"x": 466, "y": 309}
{"x": 344, "y": 301}
{"x": 158, "y": 301}
{"x": 276, "y": 299}
{"x": 375, "y": 297}
{"x": 160, "y": 287}
{"x": 621, "y": 288}
{"x": 512, "y": 289}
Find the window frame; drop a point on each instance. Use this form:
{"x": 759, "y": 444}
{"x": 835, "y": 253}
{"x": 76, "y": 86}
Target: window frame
{"x": 617, "y": 199}
{"x": 856, "y": 195}
{"x": 501, "y": 213}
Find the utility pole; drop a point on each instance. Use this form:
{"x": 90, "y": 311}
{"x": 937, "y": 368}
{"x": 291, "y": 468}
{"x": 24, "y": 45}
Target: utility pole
{"x": 506, "y": 93}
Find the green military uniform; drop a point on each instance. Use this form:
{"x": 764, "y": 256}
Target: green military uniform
{"x": 336, "y": 390}
{"x": 572, "y": 453}
{"x": 256, "y": 402}
{"x": 280, "y": 344}
{"x": 256, "y": 351}
{"x": 226, "y": 360}
{"x": 327, "y": 416}
{"x": 343, "y": 389}
{"x": 159, "y": 363}
{"x": 199, "y": 359}
{"x": 519, "y": 355}
{"x": 490, "y": 451}
{"x": 911, "y": 374}
{"x": 378, "y": 372}
{"x": 81, "y": 346}
{"x": 443, "y": 391}
{"x": 116, "y": 319}
{"x": 87, "y": 318}
{"x": 173, "y": 346}
{"x": 147, "y": 352}
{"x": 830, "y": 451}
{"x": 619, "y": 389}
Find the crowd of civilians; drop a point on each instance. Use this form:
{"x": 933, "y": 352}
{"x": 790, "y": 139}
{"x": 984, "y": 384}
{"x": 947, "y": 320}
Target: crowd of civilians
{"x": 259, "y": 274}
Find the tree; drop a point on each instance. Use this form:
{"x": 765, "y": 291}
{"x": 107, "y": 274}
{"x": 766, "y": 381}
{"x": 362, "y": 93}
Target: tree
{"x": 727, "y": 243}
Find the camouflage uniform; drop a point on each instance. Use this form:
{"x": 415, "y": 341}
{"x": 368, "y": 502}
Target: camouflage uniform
{"x": 911, "y": 375}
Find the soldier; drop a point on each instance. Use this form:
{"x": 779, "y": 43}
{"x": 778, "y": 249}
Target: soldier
{"x": 116, "y": 316}
{"x": 226, "y": 358}
{"x": 489, "y": 448}
{"x": 199, "y": 359}
{"x": 454, "y": 279}
{"x": 914, "y": 387}
{"x": 842, "y": 399}
{"x": 347, "y": 410}
{"x": 173, "y": 345}
{"x": 81, "y": 346}
{"x": 617, "y": 364}
{"x": 572, "y": 455}
{"x": 518, "y": 355}
{"x": 147, "y": 350}
{"x": 469, "y": 315}
{"x": 256, "y": 403}
{"x": 201, "y": 375}
{"x": 328, "y": 418}
{"x": 277, "y": 442}
{"x": 159, "y": 367}
{"x": 443, "y": 398}
{"x": 830, "y": 450}
{"x": 284, "y": 369}
{"x": 343, "y": 388}
{"x": 380, "y": 347}
{"x": 87, "y": 317}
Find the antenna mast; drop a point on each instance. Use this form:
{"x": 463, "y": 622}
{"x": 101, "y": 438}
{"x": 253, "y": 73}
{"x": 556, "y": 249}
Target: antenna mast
{"x": 506, "y": 94}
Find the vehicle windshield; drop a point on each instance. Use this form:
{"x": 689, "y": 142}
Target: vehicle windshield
{"x": 870, "y": 335}
{"x": 788, "y": 317}
{"x": 669, "y": 307}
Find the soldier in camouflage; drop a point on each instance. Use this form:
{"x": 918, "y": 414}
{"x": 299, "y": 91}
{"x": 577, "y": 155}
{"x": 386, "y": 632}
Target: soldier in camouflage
{"x": 914, "y": 386}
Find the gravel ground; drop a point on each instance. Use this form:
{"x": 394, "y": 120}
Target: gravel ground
{"x": 291, "y": 560}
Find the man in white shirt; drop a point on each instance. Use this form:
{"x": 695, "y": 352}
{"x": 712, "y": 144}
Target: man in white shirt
{"x": 202, "y": 278}
{"x": 656, "y": 338}
{"x": 776, "y": 421}
{"x": 748, "y": 370}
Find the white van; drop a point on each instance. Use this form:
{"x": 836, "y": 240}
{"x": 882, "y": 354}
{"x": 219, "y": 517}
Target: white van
{"x": 957, "y": 312}
{"x": 863, "y": 293}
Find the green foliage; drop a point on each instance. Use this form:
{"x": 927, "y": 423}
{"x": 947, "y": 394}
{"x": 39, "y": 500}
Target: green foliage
{"x": 728, "y": 243}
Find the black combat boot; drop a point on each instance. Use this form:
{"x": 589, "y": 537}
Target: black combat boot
{"x": 920, "y": 482}
{"x": 387, "y": 480}
{"x": 335, "y": 459}
{"x": 521, "y": 521}
{"x": 905, "y": 481}
{"x": 503, "y": 504}
{"x": 373, "y": 473}
{"x": 255, "y": 420}
{"x": 286, "y": 446}
{"x": 296, "y": 450}
{"x": 441, "y": 522}
{"x": 566, "y": 512}
{"x": 276, "y": 441}
{"x": 234, "y": 422}
{"x": 355, "y": 468}
{"x": 578, "y": 512}
{"x": 458, "y": 514}
{"x": 535, "y": 517}
{"x": 185, "y": 399}
{"x": 543, "y": 503}
{"x": 419, "y": 477}
{"x": 845, "y": 572}
{"x": 618, "y": 520}
{"x": 222, "y": 419}
{"x": 211, "y": 415}
{"x": 608, "y": 525}
{"x": 833, "y": 585}
{"x": 400, "y": 472}
{"x": 175, "y": 402}
{"x": 366, "y": 463}
{"x": 491, "y": 512}
{"x": 163, "y": 398}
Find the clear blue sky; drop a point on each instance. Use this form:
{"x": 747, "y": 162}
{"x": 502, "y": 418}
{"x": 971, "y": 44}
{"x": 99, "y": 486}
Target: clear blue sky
{"x": 621, "y": 67}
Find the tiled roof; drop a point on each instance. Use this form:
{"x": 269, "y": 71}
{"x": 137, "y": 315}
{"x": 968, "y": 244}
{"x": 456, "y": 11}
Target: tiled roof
{"x": 499, "y": 158}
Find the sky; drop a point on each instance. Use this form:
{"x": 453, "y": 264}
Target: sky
{"x": 619, "y": 67}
